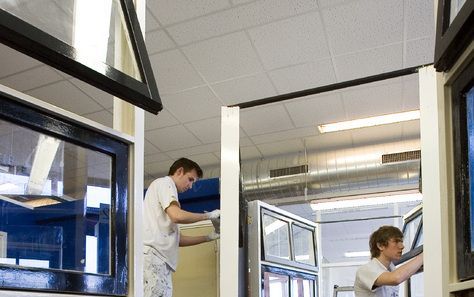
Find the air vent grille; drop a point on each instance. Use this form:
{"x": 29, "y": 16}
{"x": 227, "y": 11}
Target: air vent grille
{"x": 400, "y": 157}
{"x": 289, "y": 171}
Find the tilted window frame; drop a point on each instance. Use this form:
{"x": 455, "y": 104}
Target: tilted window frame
{"x": 452, "y": 38}
{"x": 39, "y": 119}
{"x": 46, "y": 48}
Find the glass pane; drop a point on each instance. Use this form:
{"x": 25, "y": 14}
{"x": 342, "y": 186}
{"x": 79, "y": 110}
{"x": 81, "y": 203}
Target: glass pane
{"x": 275, "y": 285}
{"x": 455, "y": 7}
{"x": 419, "y": 240}
{"x": 301, "y": 287}
{"x": 416, "y": 285}
{"x": 55, "y": 199}
{"x": 470, "y": 153}
{"x": 409, "y": 232}
{"x": 95, "y": 29}
{"x": 276, "y": 237}
{"x": 304, "y": 247}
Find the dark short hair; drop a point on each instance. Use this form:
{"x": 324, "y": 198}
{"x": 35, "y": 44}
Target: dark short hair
{"x": 187, "y": 165}
{"x": 381, "y": 236}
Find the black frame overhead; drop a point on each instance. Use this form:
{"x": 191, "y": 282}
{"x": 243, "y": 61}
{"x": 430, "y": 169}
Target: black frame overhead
{"x": 24, "y": 114}
{"x": 452, "y": 39}
{"x": 34, "y": 42}
{"x": 465, "y": 256}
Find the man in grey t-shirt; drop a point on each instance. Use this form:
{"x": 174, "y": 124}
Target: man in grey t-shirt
{"x": 379, "y": 277}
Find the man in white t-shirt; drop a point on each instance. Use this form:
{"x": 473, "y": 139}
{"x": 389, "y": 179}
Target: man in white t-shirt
{"x": 161, "y": 215}
{"x": 379, "y": 277}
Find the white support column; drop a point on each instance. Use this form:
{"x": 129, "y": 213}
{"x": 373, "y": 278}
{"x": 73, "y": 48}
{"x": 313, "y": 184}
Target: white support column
{"x": 131, "y": 120}
{"x": 434, "y": 174}
{"x": 229, "y": 185}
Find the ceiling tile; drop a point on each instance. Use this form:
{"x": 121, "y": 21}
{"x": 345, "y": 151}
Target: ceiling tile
{"x": 156, "y": 157}
{"x": 291, "y": 41}
{"x": 284, "y": 135}
{"x": 281, "y": 148}
{"x": 377, "y": 134}
{"x": 205, "y": 159}
{"x": 316, "y": 109}
{"x": 14, "y": 62}
{"x": 168, "y": 12}
{"x": 150, "y": 148}
{"x": 361, "y": 25}
{"x": 158, "y": 169}
{"x": 207, "y": 131}
{"x": 158, "y": 41}
{"x": 30, "y": 79}
{"x": 195, "y": 150}
{"x": 103, "y": 98}
{"x": 163, "y": 119}
{"x": 244, "y": 89}
{"x": 103, "y": 117}
{"x": 411, "y": 93}
{"x": 265, "y": 119}
{"x": 371, "y": 62}
{"x": 238, "y": 18}
{"x": 419, "y": 18}
{"x": 65, "y": 95}
{"x": 192, "y": 105}
{"x": 309, "y": 75}
{"x": 245, "y": 141}
{"x": 171, "y": 138}
{"x": 223, "y": 57}
{"x": 328, "y": 141}
{"x": 250, "y": 152}
{"x": 419, "y": 52}
{"x": 382, "y": 99}
{"x": 151, "y": 23}
{"x": 173, "y": 72}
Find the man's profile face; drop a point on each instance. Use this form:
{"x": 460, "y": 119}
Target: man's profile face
{"x": 185, "y": 181}
{"x": 394, "y": 248}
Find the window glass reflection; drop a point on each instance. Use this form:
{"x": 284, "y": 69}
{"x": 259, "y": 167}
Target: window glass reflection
{"x": 304, "y": 247}
{"x": 409, "y": 232}
{"x": 95, "y": 29}
{"x": 301, "y": 287}
{"x": 275, "y": 285}
{"x": 55, "y": 201}
{"x": 276, "y": 237}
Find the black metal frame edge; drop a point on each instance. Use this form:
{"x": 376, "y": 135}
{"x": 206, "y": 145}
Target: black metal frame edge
{"x": 34, "y": 42}
{"x": 328, "y": 88}
{"x": 464, "y": 255}
{"x": 452, "y": 39}
{"x": 16, "y": 278}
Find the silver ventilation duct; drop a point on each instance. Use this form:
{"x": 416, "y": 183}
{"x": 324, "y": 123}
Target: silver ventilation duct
{"x": 330, "y": 174}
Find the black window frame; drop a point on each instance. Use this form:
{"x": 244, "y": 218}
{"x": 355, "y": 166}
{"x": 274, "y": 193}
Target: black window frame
{"x": 452, "y": 38}
{"x": 464, "y": 255}
{"x": 46, "y": 48}
{"x": 26, "y": 114}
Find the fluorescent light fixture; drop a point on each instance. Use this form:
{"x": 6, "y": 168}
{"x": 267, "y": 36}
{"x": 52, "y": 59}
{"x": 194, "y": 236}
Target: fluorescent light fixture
{"x": 357, "y": 254}
{"x": 369, "y": 122}
{"x": 315, "y": 205}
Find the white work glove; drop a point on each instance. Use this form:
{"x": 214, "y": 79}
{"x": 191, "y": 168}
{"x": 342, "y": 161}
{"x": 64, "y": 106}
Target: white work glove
{"x": 213, "y": 236}
{"x": 215, "y": 214}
